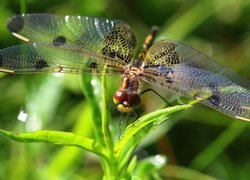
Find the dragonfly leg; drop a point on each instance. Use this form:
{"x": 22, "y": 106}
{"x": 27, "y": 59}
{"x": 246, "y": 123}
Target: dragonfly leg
{"x": 137, "y": 115}
{"x": 120, "y": 127}
{"x": 147, "y": 90}
{"x": 121, "y": 119}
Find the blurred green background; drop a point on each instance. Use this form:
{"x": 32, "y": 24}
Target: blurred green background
{"x": 201, "y": 139}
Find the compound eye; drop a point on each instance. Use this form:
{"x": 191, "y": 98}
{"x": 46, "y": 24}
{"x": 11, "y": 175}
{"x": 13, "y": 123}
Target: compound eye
{"x": 134, "y": 99}
{"x": 120, "y": 96}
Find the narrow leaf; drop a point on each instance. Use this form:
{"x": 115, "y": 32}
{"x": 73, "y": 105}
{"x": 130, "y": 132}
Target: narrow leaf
{"x": 57, "y": 137}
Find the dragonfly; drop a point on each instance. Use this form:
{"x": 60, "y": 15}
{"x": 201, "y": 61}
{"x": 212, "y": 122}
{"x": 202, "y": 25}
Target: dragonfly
{"x": 89, "y": 45}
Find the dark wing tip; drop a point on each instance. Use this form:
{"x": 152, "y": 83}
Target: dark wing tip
{"x": 58, "y": 41}
{"x": 16, "y": 23}
{"x": 41, "y": 64}
{"x": 1, "y": 60}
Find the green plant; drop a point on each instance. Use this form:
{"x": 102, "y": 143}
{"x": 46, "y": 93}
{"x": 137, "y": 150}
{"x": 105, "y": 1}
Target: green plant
{"x": 116, "y": 158}
{"x": 202, "y": 24}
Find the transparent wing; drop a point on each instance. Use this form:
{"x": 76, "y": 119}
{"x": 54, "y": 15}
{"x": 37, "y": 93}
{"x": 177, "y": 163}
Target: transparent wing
{"x": 187, "y": 71}
{"x": 43, "y": 57}
{"x": 113, "y": 38}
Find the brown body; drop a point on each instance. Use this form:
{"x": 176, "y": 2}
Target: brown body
{"x": 127, "y": 98}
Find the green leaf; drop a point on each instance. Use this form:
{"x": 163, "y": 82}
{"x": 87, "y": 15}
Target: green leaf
{"x": 56, "y": 137}
{"x": 137, "y": 131}
{"x": 132, "y": 165}
{"x": 178, "y": 172}
{"x": 150, "y": 167}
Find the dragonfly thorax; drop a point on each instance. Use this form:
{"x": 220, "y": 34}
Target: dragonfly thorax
{"x": 127, "y": 98}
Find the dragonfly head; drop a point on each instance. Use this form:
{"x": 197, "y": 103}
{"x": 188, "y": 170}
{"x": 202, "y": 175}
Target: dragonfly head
{"x": 126, "y": 101}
